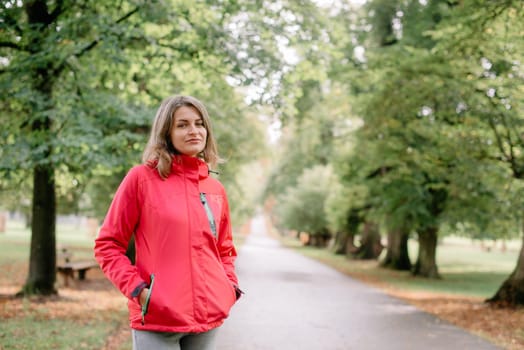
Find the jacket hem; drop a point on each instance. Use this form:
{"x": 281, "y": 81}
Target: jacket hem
{"x": 198, "y": 328}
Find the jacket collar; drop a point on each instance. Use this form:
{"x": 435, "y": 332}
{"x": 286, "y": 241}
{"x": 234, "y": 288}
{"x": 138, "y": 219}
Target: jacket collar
{"x": 182, "y": 162}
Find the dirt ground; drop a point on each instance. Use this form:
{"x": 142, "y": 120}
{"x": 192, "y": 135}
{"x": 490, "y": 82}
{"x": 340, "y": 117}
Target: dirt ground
{"x": 504, "y": 327}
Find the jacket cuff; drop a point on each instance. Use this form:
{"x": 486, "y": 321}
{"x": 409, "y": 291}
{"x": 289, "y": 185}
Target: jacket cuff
{"x": 136, "y": 292}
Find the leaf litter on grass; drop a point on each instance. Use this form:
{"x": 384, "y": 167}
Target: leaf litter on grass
{"x": 87, "y": 312}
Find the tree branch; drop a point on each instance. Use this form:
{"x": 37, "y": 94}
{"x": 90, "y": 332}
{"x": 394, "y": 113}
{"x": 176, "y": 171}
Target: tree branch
{"x": 96, "y": 41}
{"x": 500, "y": 144}
{"x": 59, "y": 8}
{"x": 11, "y": 45}
{"x": 516, "y": 168}
{"x": 126, "y": 16}
{"x": 9, "y": 21}
{"x": 92, "y": 44}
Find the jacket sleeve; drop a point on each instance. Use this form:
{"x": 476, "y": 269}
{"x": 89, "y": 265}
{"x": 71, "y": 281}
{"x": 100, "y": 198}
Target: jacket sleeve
{"x": 226, "y": 248}
{"x": 115, "y": 233}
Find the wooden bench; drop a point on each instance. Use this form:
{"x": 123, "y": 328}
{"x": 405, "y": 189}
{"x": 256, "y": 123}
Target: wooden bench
{"x": 67, "y": 268}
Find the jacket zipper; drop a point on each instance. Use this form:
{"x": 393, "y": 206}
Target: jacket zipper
{"x": 145, "y": 307}
{"x": 209, "y": 214}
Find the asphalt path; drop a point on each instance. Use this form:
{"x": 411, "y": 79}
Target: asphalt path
{"x": 293, "y": 302}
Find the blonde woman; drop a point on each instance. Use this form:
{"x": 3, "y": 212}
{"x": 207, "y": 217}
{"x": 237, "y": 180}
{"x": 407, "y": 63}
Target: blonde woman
{"x": 183, "y": 283}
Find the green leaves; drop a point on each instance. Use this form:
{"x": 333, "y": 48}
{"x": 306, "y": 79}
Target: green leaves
{"x": 301, "y": 207}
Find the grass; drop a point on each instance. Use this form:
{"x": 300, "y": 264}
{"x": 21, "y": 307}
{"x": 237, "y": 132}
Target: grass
{"x": 466, "y": 269}
{"x": 15, "y": 242}
{"x": 60, "y": 322}
{"x": 69, "y": 321}
{"x": 39, "y": 327}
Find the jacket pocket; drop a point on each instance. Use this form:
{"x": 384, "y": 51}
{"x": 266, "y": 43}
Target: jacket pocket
{"x": 145, "y": 306}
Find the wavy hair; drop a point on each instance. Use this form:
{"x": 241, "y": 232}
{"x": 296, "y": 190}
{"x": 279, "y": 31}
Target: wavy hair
{"x": 159, "y": 149}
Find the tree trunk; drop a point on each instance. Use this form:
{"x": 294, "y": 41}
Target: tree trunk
{"x": 344, "y": 243}
{"x": 340, "y": 245}
{"x": 318, "y": 240}
{"x": 511, "y": 292}
{"x": 345, "y": 240}
{"x": 397, "y": 256}
{"x": 370, "y": 246}
{"x": 42, "y": 260}
{"x": 426, "y": 265}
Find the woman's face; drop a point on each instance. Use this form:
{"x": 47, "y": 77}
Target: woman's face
{"x": 188, "y": 134}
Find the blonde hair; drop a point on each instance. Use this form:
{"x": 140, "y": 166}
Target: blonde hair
{"x": 159, "y": 148}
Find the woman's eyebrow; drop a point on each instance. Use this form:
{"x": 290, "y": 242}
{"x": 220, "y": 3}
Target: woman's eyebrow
{"x": 189, "y": 119}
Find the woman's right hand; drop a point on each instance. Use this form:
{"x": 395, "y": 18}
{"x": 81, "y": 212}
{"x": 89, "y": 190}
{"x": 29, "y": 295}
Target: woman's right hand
{"x": 143, "y": 296}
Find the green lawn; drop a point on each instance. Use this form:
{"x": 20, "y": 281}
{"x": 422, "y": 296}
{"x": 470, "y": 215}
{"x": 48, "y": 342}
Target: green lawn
{"x": 38, "y": 330}
{"x": 39, "y": 325}
{"x": 466, "y": 269}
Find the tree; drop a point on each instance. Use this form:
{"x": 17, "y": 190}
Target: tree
{"x": 480, "y": 52}
{"x": 39, "y": 60}
{"x": 343, "y": 211}
{"x": 417, "y": 143}
{"x": 301, "y": 208}
{"x": 495, "y": 84}
{"x": 81, "y": 81}
{"x": 382, "y": 138}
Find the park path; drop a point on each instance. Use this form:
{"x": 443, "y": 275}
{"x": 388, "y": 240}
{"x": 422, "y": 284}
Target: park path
{"x": 293, "y": 302}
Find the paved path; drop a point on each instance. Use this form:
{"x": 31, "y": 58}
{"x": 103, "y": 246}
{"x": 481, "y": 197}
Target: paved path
{"x": 293, "y": 302}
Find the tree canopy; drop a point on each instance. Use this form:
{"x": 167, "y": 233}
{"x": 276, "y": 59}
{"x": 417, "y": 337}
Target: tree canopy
{"x": 81, "y": 80}
{"x": 402, "y": 116}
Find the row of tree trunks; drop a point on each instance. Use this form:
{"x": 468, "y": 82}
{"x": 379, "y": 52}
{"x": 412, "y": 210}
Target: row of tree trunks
{"x": 397, "y": 254}
{"x": 511, "y": 292}
{"x": 319, "y": 240}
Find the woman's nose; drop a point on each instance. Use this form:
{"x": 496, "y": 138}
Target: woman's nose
{"x": 192, "y": 129}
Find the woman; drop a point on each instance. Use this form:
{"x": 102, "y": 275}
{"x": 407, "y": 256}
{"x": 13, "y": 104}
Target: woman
{"x": 183, "y": 283}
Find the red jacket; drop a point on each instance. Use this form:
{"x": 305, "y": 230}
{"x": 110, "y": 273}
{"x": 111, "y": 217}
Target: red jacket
{"x": 190, "y": 273}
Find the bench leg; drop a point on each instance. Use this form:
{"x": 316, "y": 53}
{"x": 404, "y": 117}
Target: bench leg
{"x": 82, "y": 274}
{"x": 66, "y": 275}
{"x": 66, "y": 279}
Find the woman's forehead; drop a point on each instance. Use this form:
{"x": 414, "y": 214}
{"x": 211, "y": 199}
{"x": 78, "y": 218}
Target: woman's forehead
{"x": 187, "y": 113}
